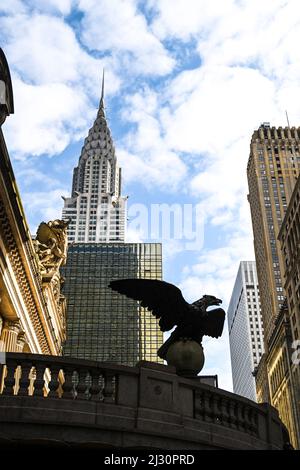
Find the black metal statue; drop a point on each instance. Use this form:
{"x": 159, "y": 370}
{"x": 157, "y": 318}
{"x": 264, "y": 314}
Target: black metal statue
{"x": 166, "y": 302}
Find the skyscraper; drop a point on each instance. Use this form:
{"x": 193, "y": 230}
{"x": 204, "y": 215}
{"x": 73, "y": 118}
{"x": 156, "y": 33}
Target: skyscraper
{"x": 101, "y": 324}
{"x": 245, "y": 330}
{"x": 273, "y": 168}
{"x": 96, "y": 209}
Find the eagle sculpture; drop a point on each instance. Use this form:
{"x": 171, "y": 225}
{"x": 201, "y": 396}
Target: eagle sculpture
{"x": 166, "y": 302}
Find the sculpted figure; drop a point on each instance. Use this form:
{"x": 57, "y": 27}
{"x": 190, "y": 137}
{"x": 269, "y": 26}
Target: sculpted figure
{"x": 51, "y": 245}
{"x": 166, "y": 302}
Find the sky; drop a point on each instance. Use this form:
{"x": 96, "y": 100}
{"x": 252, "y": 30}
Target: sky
{"x": 186, "y": 84}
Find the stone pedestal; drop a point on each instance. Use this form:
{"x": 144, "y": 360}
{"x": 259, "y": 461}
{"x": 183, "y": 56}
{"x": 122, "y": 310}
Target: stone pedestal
{"x": 187, "y": 357}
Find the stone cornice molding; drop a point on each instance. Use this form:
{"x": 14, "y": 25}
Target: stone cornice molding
{"x": 22, "y": 279}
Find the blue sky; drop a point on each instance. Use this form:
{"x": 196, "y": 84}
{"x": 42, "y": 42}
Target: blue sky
{"x": 187, "y": 82}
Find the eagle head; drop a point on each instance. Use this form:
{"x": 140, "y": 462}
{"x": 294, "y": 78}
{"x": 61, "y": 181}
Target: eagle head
{"x": 207, "y": 301}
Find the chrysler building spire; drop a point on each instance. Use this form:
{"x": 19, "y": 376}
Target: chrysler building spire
{"x": 96, "y": 208}
{"x": 101, "y": 104}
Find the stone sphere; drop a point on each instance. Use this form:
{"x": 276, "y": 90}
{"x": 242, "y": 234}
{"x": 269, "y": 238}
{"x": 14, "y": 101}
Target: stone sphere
{"x": 187, "y": 356}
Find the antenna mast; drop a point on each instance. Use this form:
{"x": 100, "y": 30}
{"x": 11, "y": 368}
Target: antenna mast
{"x": 287, "y": 118}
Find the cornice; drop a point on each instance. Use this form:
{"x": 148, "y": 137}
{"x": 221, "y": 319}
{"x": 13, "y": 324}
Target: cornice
{"x": 22, "y": 279}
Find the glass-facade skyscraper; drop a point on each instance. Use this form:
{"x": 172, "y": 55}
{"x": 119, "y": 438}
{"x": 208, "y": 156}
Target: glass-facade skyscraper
{"x": 103, "y": 325}
{"x": 245, "y": 330}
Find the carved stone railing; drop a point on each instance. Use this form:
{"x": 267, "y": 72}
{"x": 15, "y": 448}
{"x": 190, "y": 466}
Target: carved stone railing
{"x": 134, "y": 405}
{"x": 59, "y": 377}
{"x": 225, "y": 411}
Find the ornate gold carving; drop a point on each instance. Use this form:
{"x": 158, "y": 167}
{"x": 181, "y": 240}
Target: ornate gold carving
{"x": 51, "y": 247}
{"x": 12, "y": 325}
{"x": 21, "y": 341}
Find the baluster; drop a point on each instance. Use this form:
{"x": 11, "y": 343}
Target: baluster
{"x": 17, "y": 380}
{"x": 88, "y": 382}
{"x": 248, "y": 420}
{"x": 254, "y": 422}
{"x": 32, "y": 377}
{"x": 95, "y": 388}
{"x": 108, "y": 390}
{"x": 9, "y": 381}
{"x": 240, "y": 417}
{"x": 199, "y": 405}
{"x": 224, "y": 411}
{"x": 53, "y": 384}
{"x": 68, "y": 385}
{"x": 81, "y": 386}
{"x": 215, "y": 409}
{"x": 2, "y": 372}
{"x": 24, "y": 380}
{"x": 207, "y": 408}
{"x": 39, "y": 382}
{"x": 232, "y": 415}
{"x": 101, "y": 385}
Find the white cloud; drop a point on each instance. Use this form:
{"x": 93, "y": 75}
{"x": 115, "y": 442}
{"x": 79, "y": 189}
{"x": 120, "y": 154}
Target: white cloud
{"x": 158, "y": 168}
{"x": 63, "y": 7}
{"x": 251, "y": 33}
{"x": 261, "y": 34}
{"x": 216, "y": 269}
{"x": 144, "y": 154}
{"x": 212, "y": 107}
{"x": 12, "y": 7}
{"x": 53, "y": 6}
{"x": 117, "y": 26}
{"x": 43, "y": 205}
{"x": 43, "y": 49}
{"x": 42, "y": 118}
{"x": 54, "y": 80}
{"x": 179, "y": 19}
{"x": 198, "y": 121}
{"x": 30, "y": 177}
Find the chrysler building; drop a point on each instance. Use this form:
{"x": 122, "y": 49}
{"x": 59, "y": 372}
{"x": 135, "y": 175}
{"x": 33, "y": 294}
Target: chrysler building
{"x": 96, "y": 209}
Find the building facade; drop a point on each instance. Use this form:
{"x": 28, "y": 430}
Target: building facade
{"x": 101, "y": 324}
{"x": 289, "y": 237}
{"x": 32, "y": 308}
{"x": 273, "y": 168}
{"x": 245, "y": 330}
{"x": 96, "y": 209}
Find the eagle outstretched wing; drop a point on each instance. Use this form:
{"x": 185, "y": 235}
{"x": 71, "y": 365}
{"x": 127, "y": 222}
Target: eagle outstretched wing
{"x": 213, "y": 323}
{"x": 164, "y": 300}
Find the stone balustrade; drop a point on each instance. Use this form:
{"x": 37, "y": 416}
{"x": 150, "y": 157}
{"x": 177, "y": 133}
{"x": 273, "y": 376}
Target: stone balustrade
{"x": 146, "y": 405}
